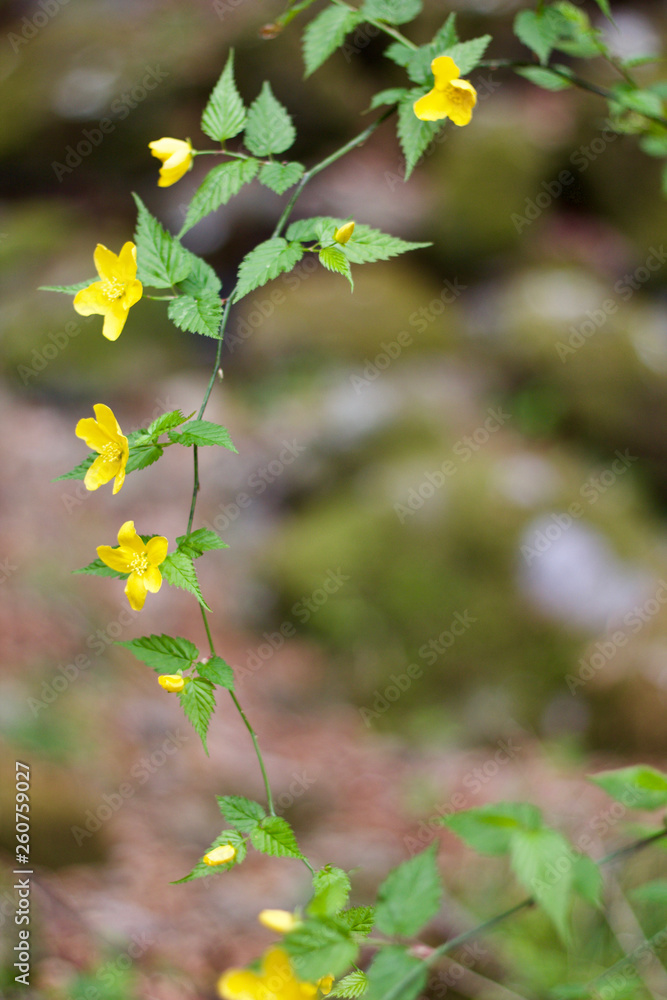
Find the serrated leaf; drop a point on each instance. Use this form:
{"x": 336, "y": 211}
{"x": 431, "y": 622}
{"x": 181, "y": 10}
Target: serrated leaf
{"x": 161, "y": 260}
{"x": 353, "y": 985}
{"x": 164, "y": 653}
{"x": 165, "y": 422}
{"x": 79, "y": 471}
{"x": 544, "y": 78}
{"x": 198, "y": 701}
{"x": 418, "y": 64}
{"x": 331, "y": 888}
{"x": 201, "y": 869}
{"x": 143, "y": 455}
{"x": 410, "y": 895}
{"x": 489, "y": 829}
{"x": 98, "y": 568}
{"x": 467, "y": 55}
{"x": 224, "y": 115}
{"x": 536, "y": 32}
{"x": 543, "y": 862}
{"x": 203, "y": 433}
{"x": 319, "y": 948}
{"x": 280, "y": 176}
{"x": 217, "y": 188}
{"x": 399, "y": 53}
{"x": 364, "y": 246}
{"x": 359, "y": 919}
{"x": 395, "y": 975}
{"x": 637, "y": 787}
{"x": 414, "y": 135}
{"x": 275, "y": 837}
{"x": 391, "y": 11}
{"x": 202, "y": 279}
{"x": 242, "y": 813}
{"x": 334, "y": 259}
{"x": 200, "y": 541}
{"x": 391, "y": 96}
{"x": 69, "y": 289}
{"x": 217, "y": 671}
{"x": 266, "y": 261}
{"x": 325, "y": 33}
{"x": 179, "y": 571}
{"x": 269, "y": 127}
{"x": 197, "y": 315}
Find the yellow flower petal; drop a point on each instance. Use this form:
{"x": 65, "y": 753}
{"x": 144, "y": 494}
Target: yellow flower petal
{"x": 106, "y": 418}
{"x": 444, "y": 70}
{"x": 280, "y": 921}
{"x": 126, "y": 270}
{"x": 325, "y": 984}
{"x": 114, "y": 320}
{"x": 113, "y": 558}
{"x": 89, "y": 430}
{"x": 134, "y": 292}
{"x": 91, "y": 301}
{"x": 127, "y": 536}
{"x": 99, "y": 473}
{"x": 171, "y": 682}
{"x": 220, "y": 855}
{"x": 166, "y": 147}
{"x": 343, "y": 234}
{"x": 432, "y": 107}
{"x": 152, "y": 579}
{"x": 156, "y": 549}
{"x": 241, "y": 984}
{"x": 135, "y": 591}
{"x": 120, "y": 478}
{"x": 176, "y": 156}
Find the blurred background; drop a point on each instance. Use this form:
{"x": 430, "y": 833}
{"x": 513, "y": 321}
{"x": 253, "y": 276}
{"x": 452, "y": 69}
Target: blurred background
{"x": 447, "y": 574}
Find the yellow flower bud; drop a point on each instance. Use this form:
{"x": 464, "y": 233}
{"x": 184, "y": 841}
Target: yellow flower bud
{"x": 280, "y": 921}
{"x": 220, "y": 855}
{"x": 325, "y": 984}
{"x": 171, "y": 682}
{"x": 343, "y": 234}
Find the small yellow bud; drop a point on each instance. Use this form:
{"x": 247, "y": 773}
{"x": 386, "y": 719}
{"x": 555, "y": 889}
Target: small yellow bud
{"x": 280, "y": 921}
{"x": 171, "y": 682}
{"x": 343, "y": 234}
{"x": 325, "y": 984}
{"x": 220, "y": 855}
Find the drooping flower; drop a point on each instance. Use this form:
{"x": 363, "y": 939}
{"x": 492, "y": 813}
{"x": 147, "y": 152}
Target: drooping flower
{"x": 115, "y": 292}
{"x": 176, "y": 157}
{"x": 343, "y": 234}
{"x": 139, "y": 559}
{"x": 450, "y": 98}
{"x": 220, "y": 855}
{"x": 280, "y": 921}
{"x": 171, "y": 682}
{"x": 275, "y": 981}
{"x": 103, "y": 434}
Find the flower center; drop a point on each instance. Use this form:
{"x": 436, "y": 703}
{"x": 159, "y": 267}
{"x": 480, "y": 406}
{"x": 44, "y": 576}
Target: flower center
{"x": 110, "y": 452}
{"x": 112, "y": 289}
{"x": 139, "y": 564}
{"x": 458, "y": 96}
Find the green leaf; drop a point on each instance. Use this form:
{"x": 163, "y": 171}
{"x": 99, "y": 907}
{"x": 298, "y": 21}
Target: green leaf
{"x": 143, "y": 455}
{"x": 637, "y": 787}
{"x": 280, "y": 176}
{"x": 217, "y": 188}
{"x": 334, "y": 259}
{"x": 161, "y": 259}
{"x": 98, "y": 568}
{"x": 392, "y": 11}
{"x": 79, "y": 471}
{"x": 69, "y": 289}
{"x": 269, "y": 127}
{"x": 414, "y": 135}
{"x": 653, "y": 893}
{"x": 391, "y": 96}
{"x": 319, "y": 948}
{"x": 242, "y": 813}
{"x": 201, "y": 869}
{"x": 198, "y": 701}
{"x": 331, "y": 887}
{"x": 399, "y": 53}
{"x": 605, "y": 8}
{"x": 179, "y": 571}
{"x": 164, "y": 653}
{"x": 654, "y": 144}
{"x": 543, "y": 862}
{"x": 467, "y": 55}
{"x": 544, "y": 78}
{"x": 275, "y": 837}
{"x": 395, "y": 975}
{"x": 165, "y": 422}
{"x": 418, "y": 64}
{"x": 202, "y": 279}
{"x": 266, "y": 261}
{"x": 410, "y": 895}
{"x": 644, "y": 102}
{"x": 200, "y": 541}
{"x": 358, "y": 919}
{"x": 573, "y": 32}
{"x": 325, "y": 33}
{"x": 587, "y": 880}
{"x": 203, "y": 432}
{"x": 224, "y": 115}
{"x": 364, "y": 246}
{"x": 536, "y": 31}
{"x": 217, "y": 671}
{"x": 489, "y": 829}
{"x": 350, "y": 986}
{"x": 197, "y": 315}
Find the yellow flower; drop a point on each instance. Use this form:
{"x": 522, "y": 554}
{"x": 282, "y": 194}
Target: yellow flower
{"x": 325, "y": 984}
{"x": 280, "y": 921}
{"x": 276, "y": 981}
{"x": 140, "y": 560}
{"x": 103, "y": 434}
{"x": 343, "y": 234}
{"x": 450, "y": 98}
{"x": 220, "y": 855}
{"x": 117, "y": 290}
{"x": 176, "y": 156}
{"x": 171, "y": 682}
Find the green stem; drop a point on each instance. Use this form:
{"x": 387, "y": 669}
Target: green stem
{"x": 255, "y": 742}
